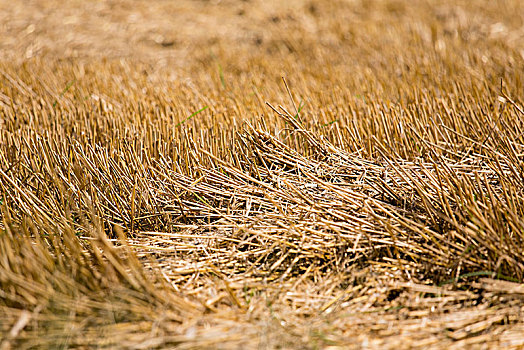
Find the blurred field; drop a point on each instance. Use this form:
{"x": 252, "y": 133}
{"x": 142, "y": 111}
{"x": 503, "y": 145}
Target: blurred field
{"x": 261, "y": 174}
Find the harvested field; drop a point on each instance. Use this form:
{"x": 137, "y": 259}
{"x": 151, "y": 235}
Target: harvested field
{"x": 262, "y": 174}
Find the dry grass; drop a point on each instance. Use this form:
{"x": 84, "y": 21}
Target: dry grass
{"x": 162, "y": 186}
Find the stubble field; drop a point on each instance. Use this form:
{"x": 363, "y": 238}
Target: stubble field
{"x": 261, "y": 174}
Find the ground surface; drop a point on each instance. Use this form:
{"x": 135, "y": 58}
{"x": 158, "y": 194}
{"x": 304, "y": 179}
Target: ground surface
{"x": 162, "y": 185}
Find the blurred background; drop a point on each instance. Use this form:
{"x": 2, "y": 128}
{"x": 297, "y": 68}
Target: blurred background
{"x": 183, "y": 30}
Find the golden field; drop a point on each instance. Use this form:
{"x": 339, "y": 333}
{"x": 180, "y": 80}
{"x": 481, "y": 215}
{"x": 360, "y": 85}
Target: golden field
{"x": 262, "y": 174}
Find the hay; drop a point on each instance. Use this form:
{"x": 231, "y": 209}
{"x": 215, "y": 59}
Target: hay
{"x": 179, "y": 193}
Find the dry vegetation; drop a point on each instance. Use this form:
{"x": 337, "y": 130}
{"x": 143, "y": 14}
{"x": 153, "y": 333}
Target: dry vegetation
{"x": 162, "y": 186}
